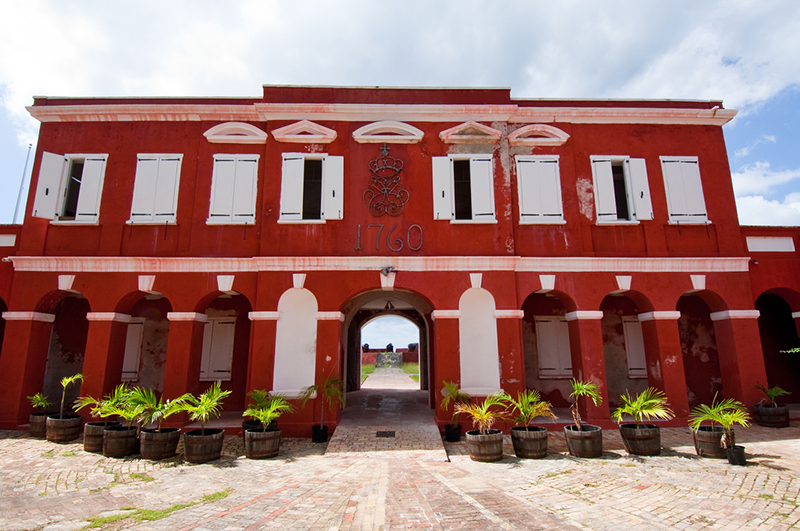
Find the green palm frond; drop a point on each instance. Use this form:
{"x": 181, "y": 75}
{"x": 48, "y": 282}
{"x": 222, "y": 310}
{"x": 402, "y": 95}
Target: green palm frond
{"x": 332, "y": 391}
{"x": 40, "y": 401}
{"x": 650, "y": 403}
{"x": 268, "y": 411}
{"x": 207, "y": 405}
{"x": 260, "y": 397}
{"x": 155, "y": 409}
{"x": 66, "y": 381}
{"x": 529, "y": 405}
{"x": 772, "y": 393}
{"x": 726, "y": 413}
{"x": 483, "y": 415}
{"x": 452, "y": 394}
{"x": 581, "y": 389}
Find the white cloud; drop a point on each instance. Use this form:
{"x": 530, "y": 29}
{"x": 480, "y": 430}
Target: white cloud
{"x": 758, "y": 178}
{"x": 756, "y": 210}
{"x": 745, "y": 151}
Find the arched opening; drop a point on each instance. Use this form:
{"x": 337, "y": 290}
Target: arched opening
{"x": 545, "y": 340}
{"x": 699, "y": 347}
{"x": 624, "y": 347}
{"x": 67, "y": 346}
{"x": 145, "y": 351}
{"x": 778, "y": 333}
{"x": 368, "y": 308}
{"x": 390, "y": 340}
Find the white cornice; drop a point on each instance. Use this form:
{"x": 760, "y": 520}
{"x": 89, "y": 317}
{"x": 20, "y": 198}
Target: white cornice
{"x": 80, "y": 264}
{"x": 350, "y": 112}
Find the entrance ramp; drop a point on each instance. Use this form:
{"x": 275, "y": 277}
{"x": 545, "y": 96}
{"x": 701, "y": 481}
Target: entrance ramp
{"x": 388, "y": 417}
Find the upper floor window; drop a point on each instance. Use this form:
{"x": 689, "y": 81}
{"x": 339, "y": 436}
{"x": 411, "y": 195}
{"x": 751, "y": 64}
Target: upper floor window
{"x": 155, "y": 191}
{"x": 463, "y": 188}
{"x": 684, "y": 190}
{"x": 233, "y": 189}
{"x": 621, "y": 191}
{"x": 312, "y": 187}
{"x": 70, "y": 187}
{"x": 539, "y": 186}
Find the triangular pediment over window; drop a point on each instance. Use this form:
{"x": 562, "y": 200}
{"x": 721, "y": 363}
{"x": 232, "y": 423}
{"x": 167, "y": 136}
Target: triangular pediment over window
{"x": 235, "y": 133}
{"x": 470, "y": 133}
{"x": 538, "y": 135}
{"x": 387, "y": 131}
{"x": 304, "y": 132}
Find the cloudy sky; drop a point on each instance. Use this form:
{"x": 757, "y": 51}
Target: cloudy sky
{"x": 745, "y": 52}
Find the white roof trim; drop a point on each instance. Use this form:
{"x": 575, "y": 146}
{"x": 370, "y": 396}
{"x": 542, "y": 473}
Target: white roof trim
{"x": 388, "y": 131}
{"x": 460, "y": 134}
{"x": 549, "y": 136}
{"x": 304, "y": 132}
{"x": 235, "y": 133}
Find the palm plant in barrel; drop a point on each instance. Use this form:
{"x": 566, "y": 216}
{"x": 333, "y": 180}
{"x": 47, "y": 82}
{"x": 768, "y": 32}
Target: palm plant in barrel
{"x": 332, "y": 393}
{"x": 38, "y": 420}
{"x": 157, "y": 443}
{"x": 725, "y": 413}
{"x": 584, "y": 440}
{"x": 529, "y": 441}
{"x": 771, "y": 414}
{"x": 64, "y": 428}
{"x": 484, "y": 443}
{"x": 264, "y": 441}
{"x": 203, "y": 445}
{"x": 452, "y": 395}
{"x": 115, "y": 440}
{"x": 640, "y": 438}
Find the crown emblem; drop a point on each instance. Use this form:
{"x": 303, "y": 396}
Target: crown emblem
{"x": 383, "y": 194}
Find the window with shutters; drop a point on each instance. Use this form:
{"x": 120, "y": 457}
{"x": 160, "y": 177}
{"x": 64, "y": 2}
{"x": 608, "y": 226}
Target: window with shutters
{"x": 552, "y": 345}
{"x": 634, "y": 347}
{"x": 133, "y": 350}
{"x": 621, "y": 189}
{"x": 684, "y": 190}
{"x": 233, "y": 189}
{"x": 155, "y": 190}
{"x": 463, "y": 188}
{"x": 312, "y": 188}
{"x": 539, "y": 188}
{"x": 70, "y": 187}
{"x": 217, "y": 357}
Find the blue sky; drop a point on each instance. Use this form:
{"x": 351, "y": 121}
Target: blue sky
{"x": 745, "y": 52}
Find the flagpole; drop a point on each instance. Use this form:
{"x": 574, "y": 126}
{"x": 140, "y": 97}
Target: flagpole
{"x": 22, "y": 183}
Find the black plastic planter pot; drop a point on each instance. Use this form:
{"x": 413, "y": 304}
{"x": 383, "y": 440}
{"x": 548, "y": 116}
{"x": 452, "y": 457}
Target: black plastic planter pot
{"x": 452, "y": 433}
{"x": 485, "y": 448}
{"x": 199, "y": 448}
{"x": 529, "y": 443}
{"x": 771, "y": 416}
{"x": 63, "y": 429}
{"x": 642, "y": 439}
{"x": 155, "y": 445}
{"x": 120, "y": 441}
{"x": 586, "y": 442}
{"x": 261, "y": 443}
{"x": 93, "y": 435}
{"x": 708, "y": 442}
{"x": 319, "y": 434}
{"x": 736, "y": 455}
{"x": 38, "y": 425}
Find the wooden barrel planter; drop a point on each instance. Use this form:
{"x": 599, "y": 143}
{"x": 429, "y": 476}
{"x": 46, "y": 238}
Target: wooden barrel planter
{"x": 93, "y": 435}
{"x": 485, "y": 448}
{"x": 529, "y": 443}
{"x": 771, "y": 416}
{"x": 708, "y": 442}
{"x": 155, "y": 445}
{"x": 120, "y": 441}
{"x": 644, "y": 439}
{"x": 586, "y": 442}
{"x": 38, "y": 425}
{"x": 452, "y": 433}
{"x": 199, "y": 448}
{"x": 261, "y": 443}
{"x": 62, "y": 430}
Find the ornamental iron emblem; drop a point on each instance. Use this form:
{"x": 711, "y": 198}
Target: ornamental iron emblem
{"x": 383, "y": 194}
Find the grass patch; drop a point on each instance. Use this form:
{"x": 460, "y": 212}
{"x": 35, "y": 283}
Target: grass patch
{"x": 412, "y": 369}
{"x": 49, "y": 454}
{"x": 142, "y": 477}
{"x": 69, "y": 454}
{"x": 216, "y": 496}
{"x": 100, "y": 521}
{"x": 139, "y": 515}
{"x": 366, "y": 370}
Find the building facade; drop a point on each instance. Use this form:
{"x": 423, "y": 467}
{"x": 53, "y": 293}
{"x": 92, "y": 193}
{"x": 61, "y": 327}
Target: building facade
{"x": 173, "y": 242}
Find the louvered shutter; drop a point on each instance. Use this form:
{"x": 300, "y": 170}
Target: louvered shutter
{"x": 244, "y": 190}
{"x": 642, "y": 205}
{"x": 166, "y": 190}
{"x": 604, "y": 191}
{"x": 221, "y": 355}
{"x": 91, "y": 188}
{"x": 552, "y": 340}
{"x": 292, "y": 187}
{"x": 634, "y": 347}
{"x": 144, "y": 189}
{"x": 133, "y": 351}
{"x": 49, "y": 186}
{"x": 684, "y": 191}
{"x": 539, "y": 189}
{"x": 333, "y": 187}
{"x": 442, "y": 188}
{"x": 222, "y": 183}
{"x": 482, "y": 189}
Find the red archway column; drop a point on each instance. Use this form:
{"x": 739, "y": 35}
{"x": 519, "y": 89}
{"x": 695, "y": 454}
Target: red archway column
{"x": 105, "y": 350}
{"x": 22, "y": 363}
{"x": 665, "y": 358}
{"x": 447, "y": 362}
{"x": 588, "y": 360}
{"x": 184, "y": 350}
{"x": 261, "y": 365}
{"x": 328, "y": 357}
{"x": 741, "y": 361}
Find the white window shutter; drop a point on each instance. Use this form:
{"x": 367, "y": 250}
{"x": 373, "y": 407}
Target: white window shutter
{"x": 642, "y": 205}
{"x": 530, "y": 206}
{"x": 552, "y": 340}
{"x": 564, "y": 350}
{"x": 333, "y": 187}
{"x": 634, "y": 347}
{"x": 684, "y": 191}
{"x": 166, "y": 191}
{"x": 91, "y": 189}
{"x": 604, "y": 190}
{"x": 549, "y": 188}
{"x": 292, "y": 187}
{"x": 482, "y": 188}
{"x": 221, "y": 356}
{"x": 144, "y": 189}
{"x": 222, "y": 189}
{"x": 693, "y": 187}
{"x": 49, "y": 186}
{"x": 442, "y": 188}
{"x": 133, "y": 350}
{"x": 244, "y": 190}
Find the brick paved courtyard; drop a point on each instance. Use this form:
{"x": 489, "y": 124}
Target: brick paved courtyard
{"x": 368, "y": 485}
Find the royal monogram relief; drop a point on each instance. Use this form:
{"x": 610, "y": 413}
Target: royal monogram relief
{"x": 384, "y": 194}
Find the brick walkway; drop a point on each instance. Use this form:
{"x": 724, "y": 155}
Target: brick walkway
{"x": 52, "y": 487}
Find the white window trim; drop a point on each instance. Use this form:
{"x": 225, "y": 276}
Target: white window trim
{"x": 644, "y": 204}
{"x": 480, "y": 221}
{"x": 613, "y": 159}
{"x": 541, "y": 220}
{"x": 229, "y": 220}
{"x": 672, "y": 220}
{"x": 328, "y": 179}
{"x": 171, "y": 219}
{"x": 67, "y": 159}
